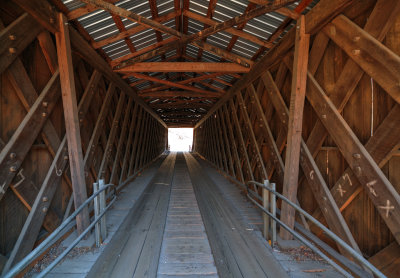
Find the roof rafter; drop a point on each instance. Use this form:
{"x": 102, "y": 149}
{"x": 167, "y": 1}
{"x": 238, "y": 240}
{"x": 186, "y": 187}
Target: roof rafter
{"x": 232, "y": 30}
{"x": 169, "y": 83}
{"x": 210, "y": 12}
{"x": 184, "y": 39}
{"x": 186, "y": 81}
{"x": 169, "y": 94}
{"x": 183, "y": 67}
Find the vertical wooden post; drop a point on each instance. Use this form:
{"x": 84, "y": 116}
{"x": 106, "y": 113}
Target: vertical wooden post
{"x": 72, "y": 121}
{"x": 299, "y": 80}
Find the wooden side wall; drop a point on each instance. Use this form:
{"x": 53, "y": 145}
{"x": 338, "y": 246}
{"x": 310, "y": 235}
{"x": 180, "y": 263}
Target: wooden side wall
{"x": 351, "y": 123}
{"x": 119, "y": 136}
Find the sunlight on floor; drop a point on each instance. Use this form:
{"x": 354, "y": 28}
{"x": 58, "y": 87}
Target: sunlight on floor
{"x": 180, "y": 139}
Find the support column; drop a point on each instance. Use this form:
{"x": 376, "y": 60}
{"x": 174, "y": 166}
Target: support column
{"x": 290, "y": 181}
{"x": 72, "y": 121}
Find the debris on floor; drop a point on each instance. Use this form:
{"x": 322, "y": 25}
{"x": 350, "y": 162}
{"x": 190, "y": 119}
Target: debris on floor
{"x": 53, "y": 253}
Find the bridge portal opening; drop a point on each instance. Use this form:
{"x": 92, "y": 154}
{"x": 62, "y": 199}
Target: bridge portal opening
{"x": 180, "y": 139}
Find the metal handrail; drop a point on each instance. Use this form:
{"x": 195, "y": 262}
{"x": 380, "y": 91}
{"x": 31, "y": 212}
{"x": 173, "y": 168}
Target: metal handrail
{"x": 40, "y": 248}
{"x": 333, "y": 236}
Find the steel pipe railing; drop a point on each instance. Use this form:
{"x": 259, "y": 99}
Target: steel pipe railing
{"x": 42, "y": 246}
{"x": 328, "y": 232}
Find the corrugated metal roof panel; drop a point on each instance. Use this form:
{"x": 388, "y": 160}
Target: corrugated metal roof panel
{"x": 100, "y": 25}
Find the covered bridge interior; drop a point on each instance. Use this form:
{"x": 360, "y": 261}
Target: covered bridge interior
{"x": 303, "y": 94}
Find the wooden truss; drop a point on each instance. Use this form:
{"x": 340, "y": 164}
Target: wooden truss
{"x": 259, "y": 112}
{"x": 321, "y": 120}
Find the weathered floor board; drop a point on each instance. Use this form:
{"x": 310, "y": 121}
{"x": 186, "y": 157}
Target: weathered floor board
{"x": 135, "y": 249}
{"x": 185, "y": 248}
{"x": 237, "y": 251}
{"x": 183, "y": 226}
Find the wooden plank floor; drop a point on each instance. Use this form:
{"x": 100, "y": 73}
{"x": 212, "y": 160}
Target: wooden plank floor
{"x": 237, "y": 251}
{"x": 185, "y": 248}
{"x": 134, "y": 251}
{"x": 183, "y": 227}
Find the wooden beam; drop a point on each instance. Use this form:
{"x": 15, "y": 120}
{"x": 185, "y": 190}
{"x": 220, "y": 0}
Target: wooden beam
{"x": 185, "y": 39}
{"x": 49, "y": 51}
{"x": 16, "y": 37}
{"x": 14, "y": 152}
{"x": 379, "y": 189}
{"x": 289, "y": 13}
{"x": 129, "y": 142}
{"x": 44, "y": 13}
{"x": 189, "y": 80}
{"x": 169, "y": 94}
{"x": 84, "y": 10}
{"x": 111, "y": 137}
{"x": 377, "y": 60}
{"x": 95, "y": 60}
{"x": 98, "y": 129}
{"x": 316, "y": 19}
{"x": 215, "y": 88}
{"x": 25, "y": 189}
{"x": 33, "y": 223}
{"x": 133, "y": 30}
{"x": 317, "y": 184}
{"x": 210, "y": 12}
{"x": 267, "y": 2}
{"x": 72, "y": 121}
{"x": 232, "y": 30}
{"x": 169, "y": 83}
{"x": 181, "y": 105}
{"x": 233, "y": 142}
{"x": 251, "y": 134}
{"x": 240, "y": 136}
{"x": 297, "y": 97}
{"x": 121, "y": 139}
{"x": 347, "y": 187}
{"x": 388, "y": 260}
{"x": 184, "y": 67}
{"x": 139, "y": 126}
{"x": 379, "y": 22}
{"x": 222, "y": 126}
{"x": 381, "y": 147}
{"x": 141, "y": 143}
{"x": 121, "y": 27}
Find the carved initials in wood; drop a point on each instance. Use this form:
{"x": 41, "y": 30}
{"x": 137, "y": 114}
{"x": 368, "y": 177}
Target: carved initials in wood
{"x": 371, "y": 189}
{"x": 341, "y": 191}
{"x": 312, "y": 174}
{"x": 388, "y": 208}
{"x": 22, "y": 178}
{"x": 2, "y": 188}
{"x": 348, "y": 179}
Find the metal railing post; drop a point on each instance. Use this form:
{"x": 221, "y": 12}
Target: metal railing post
{"x": 273, "y": 212}
{"x": 96, "y": 214}
{"x": 17, "y": 268}
{"x": 328, "y": 232}
{"x": 266, "y": 205}
{"x": 102, "y": 197}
